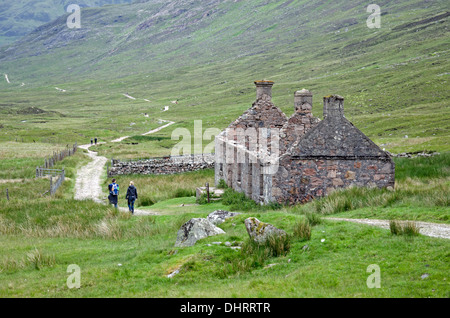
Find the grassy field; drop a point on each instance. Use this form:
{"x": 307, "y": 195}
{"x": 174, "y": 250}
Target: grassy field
{"x": 41, "y": 237}
{"x": 394, "y": 79}
{"x": 395, "y": 84}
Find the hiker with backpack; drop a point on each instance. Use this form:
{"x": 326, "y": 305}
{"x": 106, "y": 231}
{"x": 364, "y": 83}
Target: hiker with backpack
{"x": 131, "y": 196}
{"x": 113, "y": 193}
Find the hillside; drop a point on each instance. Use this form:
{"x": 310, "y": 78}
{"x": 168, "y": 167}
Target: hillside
{"x": 18, "y": 18}
{"x": 206, "y": 54}
{"x": 134, "y": 73}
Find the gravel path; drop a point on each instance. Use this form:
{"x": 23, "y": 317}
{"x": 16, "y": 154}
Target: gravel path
{"x": 169, "y": 123}
{"x": 88, "y": 180}
{"x": 87, "y": 184}
{"x": 428, "y": 229}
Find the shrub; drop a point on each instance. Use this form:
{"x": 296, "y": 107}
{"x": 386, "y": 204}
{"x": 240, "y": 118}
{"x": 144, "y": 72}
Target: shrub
{"x": 203, "y": 199}
{"x": 238, "y": 201}
{"x": 222, "y": 184}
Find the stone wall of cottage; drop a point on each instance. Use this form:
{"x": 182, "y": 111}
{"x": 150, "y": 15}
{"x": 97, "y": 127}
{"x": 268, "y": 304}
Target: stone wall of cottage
{"x": 299, "y": 181}
{"x": 316, "y": 157}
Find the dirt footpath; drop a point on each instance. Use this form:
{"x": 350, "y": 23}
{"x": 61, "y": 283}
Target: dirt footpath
{"x": 428, "y": 229}
{"x": 87, "y": 184}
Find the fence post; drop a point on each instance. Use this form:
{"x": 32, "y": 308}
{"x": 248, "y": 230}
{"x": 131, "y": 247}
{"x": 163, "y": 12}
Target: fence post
{"x": 207, "y": 191}
{"x": 7, "y": 194}
{"x": 51, "y": 185}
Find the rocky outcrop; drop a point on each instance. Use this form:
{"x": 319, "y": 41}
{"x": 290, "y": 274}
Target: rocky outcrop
{"x": 260, "y": 231}
{"x": 220, "y": 216}
{"x": 194, "y": 230}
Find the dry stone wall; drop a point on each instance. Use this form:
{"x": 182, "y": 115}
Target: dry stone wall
{"x": 163, "y": 166}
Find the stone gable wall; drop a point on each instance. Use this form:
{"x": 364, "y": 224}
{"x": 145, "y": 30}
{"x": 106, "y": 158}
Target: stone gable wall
{"x": 299, "y": 181}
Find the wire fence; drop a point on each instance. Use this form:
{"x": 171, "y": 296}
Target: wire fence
{"x": 56, "y": 181}
{"x": 57, "y": 156}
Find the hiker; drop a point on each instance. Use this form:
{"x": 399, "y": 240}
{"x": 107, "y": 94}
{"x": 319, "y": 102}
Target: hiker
{"x": 96, "y": 141}
{"x": 131, "y": 196}
{"x": 92, "y": 141}
{"x": 113, "y": 193}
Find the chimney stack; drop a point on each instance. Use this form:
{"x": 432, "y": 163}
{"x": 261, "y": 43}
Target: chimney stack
{"x": 263, "y": 87}
{"x": 333, "y": 106}
{"x": 303, "y": 101}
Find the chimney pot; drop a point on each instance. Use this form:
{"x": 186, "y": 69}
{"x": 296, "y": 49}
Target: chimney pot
{"x": 301, "y": 98}
{"x": 333, "y": 106}
{"x": 263, "y": 87}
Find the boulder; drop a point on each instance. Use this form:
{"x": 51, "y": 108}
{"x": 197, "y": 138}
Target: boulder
{"x": 260, "y": 231}
{"x": 194, "y": 230}
{"x": 219, "y": 216}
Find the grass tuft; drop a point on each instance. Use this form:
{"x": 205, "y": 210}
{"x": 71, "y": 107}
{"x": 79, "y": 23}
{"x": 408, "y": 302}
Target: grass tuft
{"x": 302, "y": 230}
{"x": 408, "y": 229}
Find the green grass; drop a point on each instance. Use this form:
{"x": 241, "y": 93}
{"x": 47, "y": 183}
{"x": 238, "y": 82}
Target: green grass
{"x": 41, "y": 237}
{"x": 394, "y": 81}
{"x": 154, "y": 189}
{"x": 334, "y": 268}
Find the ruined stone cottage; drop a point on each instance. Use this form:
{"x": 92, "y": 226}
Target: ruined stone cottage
{"x": 273, "y": 158}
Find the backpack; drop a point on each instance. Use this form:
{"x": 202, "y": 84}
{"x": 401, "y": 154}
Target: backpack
{"x": 114, "y": 189}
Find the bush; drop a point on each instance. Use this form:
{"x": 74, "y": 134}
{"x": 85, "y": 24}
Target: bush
{"x": 222, "y": 184}
{"x": 203, "y": 199}
{"x": 238, "y": 201}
